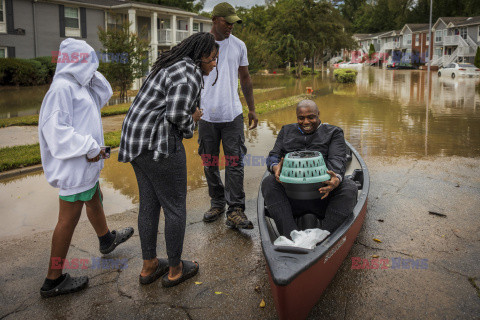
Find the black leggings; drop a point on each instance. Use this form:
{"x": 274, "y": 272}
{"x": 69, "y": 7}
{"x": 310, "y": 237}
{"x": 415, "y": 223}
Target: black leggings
{"x": 162, "y": 184}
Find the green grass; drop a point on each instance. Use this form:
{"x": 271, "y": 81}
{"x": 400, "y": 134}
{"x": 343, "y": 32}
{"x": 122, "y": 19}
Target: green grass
{"x": 273, "y": 105}
{"x": 19, "y": 156}
{"x": 112, "y": 139}
{"x": 29, "y": 155}
{"x": 33, "y": 120}
{"x": 19, "y": 121}
{"x": 115, "y": 109}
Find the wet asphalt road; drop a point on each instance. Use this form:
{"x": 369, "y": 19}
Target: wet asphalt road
{"x": 232, "y": 265}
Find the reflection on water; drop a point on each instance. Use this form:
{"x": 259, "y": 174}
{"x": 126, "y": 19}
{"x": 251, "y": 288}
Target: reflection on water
{"x": 26, "y": 101}
{"x": 383, "y": 114}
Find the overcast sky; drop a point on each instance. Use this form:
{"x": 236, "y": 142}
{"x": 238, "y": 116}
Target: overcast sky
{"x": 209, "y": 4}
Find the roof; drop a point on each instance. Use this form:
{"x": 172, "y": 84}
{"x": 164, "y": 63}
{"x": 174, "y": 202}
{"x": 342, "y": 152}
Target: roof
{"x": 416, "y": 27}
{"x": 468, "y": 21}
{"x": 114, "y": 4}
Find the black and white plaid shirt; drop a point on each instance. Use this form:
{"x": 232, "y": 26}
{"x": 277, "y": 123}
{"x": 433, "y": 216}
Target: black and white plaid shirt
{"x": 165, "y": 101}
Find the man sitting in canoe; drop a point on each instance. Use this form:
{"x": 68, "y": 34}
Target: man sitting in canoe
{"x": 340, "y": 194}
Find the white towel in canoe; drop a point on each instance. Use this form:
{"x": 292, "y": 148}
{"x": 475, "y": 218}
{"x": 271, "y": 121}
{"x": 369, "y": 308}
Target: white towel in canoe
{"x": 306, "y": 239}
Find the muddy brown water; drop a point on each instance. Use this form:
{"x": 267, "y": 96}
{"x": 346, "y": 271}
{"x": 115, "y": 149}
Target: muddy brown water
{"x": 384, "y": 114}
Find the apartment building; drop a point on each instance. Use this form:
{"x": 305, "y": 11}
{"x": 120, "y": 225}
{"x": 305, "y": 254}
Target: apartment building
{"x": 35, "y": 28}
{"x": 454, "y": 39}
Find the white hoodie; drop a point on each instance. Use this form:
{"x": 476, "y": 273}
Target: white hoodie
{"x": 70, "y": 124}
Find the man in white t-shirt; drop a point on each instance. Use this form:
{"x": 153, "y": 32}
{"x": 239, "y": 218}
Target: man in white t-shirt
{"x": 223, "y": 121}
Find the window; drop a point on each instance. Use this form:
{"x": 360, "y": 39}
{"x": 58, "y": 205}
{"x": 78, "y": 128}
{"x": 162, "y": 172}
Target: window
{"x": 3, "y": 25}
{"x": 195, "y": 27}
{"x": 438, "y": 36}
{"x": 478, "y": 35}
{"x": 417, "y": 39}
{"x": 3, "y": 52}
{"x": 428, "y": 39}
{"x": 463, "y": 33}
{"x": 408, "y": 39}
{"x": 114, "y": 21}
{"x": 72, "y": 22}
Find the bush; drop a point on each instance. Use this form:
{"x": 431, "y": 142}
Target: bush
{"x": 305, "y": 70}
{"x": 477, "y": 58}
{"x": 51, "y": 67}
{"x": 345, "y": 75}
{"x": 25, "y": 72}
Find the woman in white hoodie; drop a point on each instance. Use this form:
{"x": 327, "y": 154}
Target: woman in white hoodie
{"x": 70, "y": 133}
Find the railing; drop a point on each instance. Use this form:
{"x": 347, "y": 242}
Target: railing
{"x": 467, "y": 51}
{"x": 436, "y": 61}
{"x": 449, "y": 59}
{"x": 387, "y": 46}
{"x": 471, "y": 43}
{"x": 391, "y": 45}
{"x": 181, "y": 35}
{"x": 455, "y": 40}
{"x": 164, "y": 36}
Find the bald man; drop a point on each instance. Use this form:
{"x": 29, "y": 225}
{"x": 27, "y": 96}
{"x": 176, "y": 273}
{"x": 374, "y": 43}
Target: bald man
{"x": 340, "y": 194}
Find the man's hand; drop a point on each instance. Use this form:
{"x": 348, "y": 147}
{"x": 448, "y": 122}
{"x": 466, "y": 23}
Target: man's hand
{"x": 277, "y": 169}
{"x": 329, "y": 184}
{"x": 252, "y": 120}
{"x": 97, "y": 157}
{"x": 197, "y": 114}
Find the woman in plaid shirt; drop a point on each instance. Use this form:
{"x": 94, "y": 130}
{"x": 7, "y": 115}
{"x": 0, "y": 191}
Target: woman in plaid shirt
{"x": 164, "y": 112}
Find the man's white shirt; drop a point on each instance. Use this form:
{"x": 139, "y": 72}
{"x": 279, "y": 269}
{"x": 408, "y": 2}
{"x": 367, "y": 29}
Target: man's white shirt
{"x": 221, "y": 103}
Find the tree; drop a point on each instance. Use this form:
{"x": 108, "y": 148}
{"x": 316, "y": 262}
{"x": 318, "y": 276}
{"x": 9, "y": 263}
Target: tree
{"x": 306, "y": 29}
{"x": 477, "y": 58}
{"x": 127, "y": 57}
{"x": 371, "y": 51}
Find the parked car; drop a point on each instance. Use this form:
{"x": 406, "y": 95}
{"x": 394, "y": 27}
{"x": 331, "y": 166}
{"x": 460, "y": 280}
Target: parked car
{"x": 348, "y": 65}
{"x": 459, "y": 69}
{"x": 401, "y": 65}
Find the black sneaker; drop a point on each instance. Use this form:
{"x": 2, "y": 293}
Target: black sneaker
{"x": 237, "y": 219}
{"x": 213, "y": 214}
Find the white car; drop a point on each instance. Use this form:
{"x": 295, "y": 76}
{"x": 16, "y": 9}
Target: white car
{"x": 459, "y": 69}
{"x": 349, "y": 65}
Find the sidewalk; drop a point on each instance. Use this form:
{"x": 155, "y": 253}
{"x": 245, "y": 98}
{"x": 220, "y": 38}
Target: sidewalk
{"x": 15, "y": 136}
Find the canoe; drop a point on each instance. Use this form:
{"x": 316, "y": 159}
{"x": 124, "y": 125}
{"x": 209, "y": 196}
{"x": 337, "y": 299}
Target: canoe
{"x": 298, "y": 276}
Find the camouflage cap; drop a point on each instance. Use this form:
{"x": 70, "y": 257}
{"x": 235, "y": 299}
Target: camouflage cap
{"x": 226, "y": 11}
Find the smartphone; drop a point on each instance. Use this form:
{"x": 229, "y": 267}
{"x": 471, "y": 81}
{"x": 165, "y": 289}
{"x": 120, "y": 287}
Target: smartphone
{"x": 107, "y": 150}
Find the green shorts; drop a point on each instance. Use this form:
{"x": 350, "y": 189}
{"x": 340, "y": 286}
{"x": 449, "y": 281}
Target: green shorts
{"x": 83, "y": 196}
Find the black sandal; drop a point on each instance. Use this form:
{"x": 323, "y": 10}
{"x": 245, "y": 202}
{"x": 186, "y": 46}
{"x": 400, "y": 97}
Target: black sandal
{"x": 68, "y": 285}
{"x": 120, "y": 237}
{"x": 162, "y": 268}
{"x": 189, "y": 269}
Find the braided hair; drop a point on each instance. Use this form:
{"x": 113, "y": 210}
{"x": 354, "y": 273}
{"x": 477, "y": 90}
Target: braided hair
{"x": 197, "y": 46}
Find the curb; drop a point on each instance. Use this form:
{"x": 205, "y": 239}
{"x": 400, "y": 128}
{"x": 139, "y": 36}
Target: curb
{"x": 29, "y": 169}
{"x": 20, "y": 171}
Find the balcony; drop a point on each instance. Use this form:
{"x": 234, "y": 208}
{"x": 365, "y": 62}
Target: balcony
{"x": 391, "y": 45}
{"x": 181, "y": 35}
{"x": 454, "y": 41}
{"x": 164, "y": 36}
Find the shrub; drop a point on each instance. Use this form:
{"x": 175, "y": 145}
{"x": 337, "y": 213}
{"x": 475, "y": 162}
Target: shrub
{"x": 477, "y": 58}
{"x": 305, "y": 70}
{"x": 345, "y": 75}
{"x": 51, "y": 67}
{"x": 23, "y": 72}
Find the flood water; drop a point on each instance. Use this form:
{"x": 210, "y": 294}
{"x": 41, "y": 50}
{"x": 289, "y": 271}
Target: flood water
{"x": 26, "y": 101}
{"x": 384, "y": 114}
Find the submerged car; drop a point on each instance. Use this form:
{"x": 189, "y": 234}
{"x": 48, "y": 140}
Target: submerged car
{"x": 401, "y": 65}
{"x": 459, "y": 69}
{"x": 348, "y": 65}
